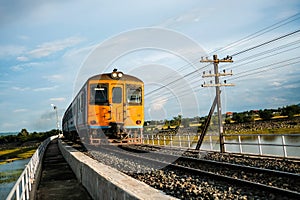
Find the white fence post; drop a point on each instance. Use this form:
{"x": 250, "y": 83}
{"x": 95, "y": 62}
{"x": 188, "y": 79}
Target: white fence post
{"x": 259, "y": 145}
{"x": 240, "y": 144}
{"x": 179, "y": 140}
{"x": 211, "y": 143}
{"x": 283, "y": 146}
{"x": 27, "y": 183}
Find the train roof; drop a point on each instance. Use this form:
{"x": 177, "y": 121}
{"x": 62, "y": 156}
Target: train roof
{"x": 107, "y": 76}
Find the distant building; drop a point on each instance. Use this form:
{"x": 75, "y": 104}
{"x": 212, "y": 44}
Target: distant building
{"x": 229, "y": 114}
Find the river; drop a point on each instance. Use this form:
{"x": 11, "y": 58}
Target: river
{"x": 9, "y": 173}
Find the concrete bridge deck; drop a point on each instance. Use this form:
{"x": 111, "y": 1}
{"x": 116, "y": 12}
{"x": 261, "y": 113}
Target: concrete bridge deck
{"x": 57, "y": 180}
{"x": 66, "y": 173}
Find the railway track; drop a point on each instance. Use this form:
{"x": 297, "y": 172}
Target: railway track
{"x": 186, "y": 177}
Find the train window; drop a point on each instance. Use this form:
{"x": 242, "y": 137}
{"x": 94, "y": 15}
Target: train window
{"x": 134, "y": 94}
{"x": 117, "y": 95}
{"x": 98, "y": 94}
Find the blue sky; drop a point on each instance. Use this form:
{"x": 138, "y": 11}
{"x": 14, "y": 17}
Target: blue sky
{"x": 47, "y": 47}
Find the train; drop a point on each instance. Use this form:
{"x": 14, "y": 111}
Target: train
{"x": 109, "y": 108}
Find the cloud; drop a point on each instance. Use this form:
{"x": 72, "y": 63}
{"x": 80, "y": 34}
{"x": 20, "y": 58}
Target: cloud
{"x": 54, "y": 77}
{"x": 276, "y": 84}
{"x": 45, "y": 89}
{"x": 16, "y": 68}
{"x": 22, "y": 58}
{"x": 20, "y": 89}
{"x": 11, "y": 50}
{"x": 20, "y": 67}
{"x": 278, "y": 100}
{"x": 20, "y": 110}
{"x": 291, "y": 86}
{"x": 49, "y": 48}
{"x": 58, "y": 99}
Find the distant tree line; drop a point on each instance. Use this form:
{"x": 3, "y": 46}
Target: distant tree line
{"x": 236, "y": 117}
{"x": 25, "y": 136}
{"x": 266, "y": 114}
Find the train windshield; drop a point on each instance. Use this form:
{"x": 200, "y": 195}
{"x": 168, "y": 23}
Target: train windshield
{"x": 98, "y": 94}
{"x": 134, "y": 94}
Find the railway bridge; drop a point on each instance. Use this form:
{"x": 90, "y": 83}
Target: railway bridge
{"x": 58, "y": 171}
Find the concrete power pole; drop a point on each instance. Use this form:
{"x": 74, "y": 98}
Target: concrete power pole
{"x": 217, "y": 85}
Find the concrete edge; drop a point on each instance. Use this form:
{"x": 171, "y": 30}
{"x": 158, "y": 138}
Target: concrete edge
{"x": 104, "y": 182}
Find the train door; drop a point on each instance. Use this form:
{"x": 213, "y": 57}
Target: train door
{"x": 117, "y": 106}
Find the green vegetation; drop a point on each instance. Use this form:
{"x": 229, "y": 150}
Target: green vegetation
{"x": 264, "y": 121}
{"x": 267, "y": 114}
{"x": 18, "y": 153}
{"x": 9, "y": 176}
{"x": 21, "y": 146}
{"x": 24, "y": 136}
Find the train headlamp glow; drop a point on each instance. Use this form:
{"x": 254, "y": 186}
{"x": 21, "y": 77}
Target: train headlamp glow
{"x": 114, "y": 75}
{"x": 120, "y": 74}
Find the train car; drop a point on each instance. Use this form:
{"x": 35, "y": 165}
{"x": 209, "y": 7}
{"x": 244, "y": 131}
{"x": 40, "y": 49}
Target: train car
{"x": 108, "y": 108}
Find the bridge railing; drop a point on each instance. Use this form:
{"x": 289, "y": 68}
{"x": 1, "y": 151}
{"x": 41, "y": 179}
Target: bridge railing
{"x": 240, "y": 142}
{"x": 24, "y": 183}
{"x": 264, "y": 144}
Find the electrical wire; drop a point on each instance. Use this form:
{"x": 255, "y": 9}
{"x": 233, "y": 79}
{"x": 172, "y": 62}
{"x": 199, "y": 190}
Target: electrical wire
{"x": 249, "y": 37}
{"x": 265, "y": 43}
{"x": 258, "y": 33}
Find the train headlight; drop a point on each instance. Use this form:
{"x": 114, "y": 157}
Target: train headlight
{"x": 114, "y": 75}
{"x": 138, "y": 122}
{"x": 120, "y": 74}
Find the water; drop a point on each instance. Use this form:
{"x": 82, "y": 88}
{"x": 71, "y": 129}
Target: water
{"x": 8, "y": 133}
{"x": 14, "y": 169}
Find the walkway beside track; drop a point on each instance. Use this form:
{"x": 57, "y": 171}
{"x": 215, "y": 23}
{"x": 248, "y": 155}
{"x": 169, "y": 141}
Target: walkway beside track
{"x": 57, "y": 179}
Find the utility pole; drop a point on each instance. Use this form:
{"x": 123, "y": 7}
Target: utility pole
{"x": 217, "y": 85}
{"x": 57, "y": 122}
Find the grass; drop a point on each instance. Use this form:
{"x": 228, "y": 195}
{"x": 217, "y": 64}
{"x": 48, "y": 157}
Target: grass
{"x": 17, "y": 153}
{"x": 10, "y": 176}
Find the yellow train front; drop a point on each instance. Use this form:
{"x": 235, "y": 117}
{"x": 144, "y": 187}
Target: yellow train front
{"x": 109, "y": 107}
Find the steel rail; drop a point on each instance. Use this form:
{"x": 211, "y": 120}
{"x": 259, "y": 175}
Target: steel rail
{"x": 237, "y": 181}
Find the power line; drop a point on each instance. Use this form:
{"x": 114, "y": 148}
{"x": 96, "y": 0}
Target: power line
{"x": 245, "y": 72}
{"x": 251, "y": 36}
{"x": 238, "y": 77}
{"x": 176, "y": 80}
{"x": 254, "y": 35}
{"x": 250, "y": 58}
{"x": 265, "y": 43}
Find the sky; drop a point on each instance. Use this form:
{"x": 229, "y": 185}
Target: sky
{"x": 48, "y": 48}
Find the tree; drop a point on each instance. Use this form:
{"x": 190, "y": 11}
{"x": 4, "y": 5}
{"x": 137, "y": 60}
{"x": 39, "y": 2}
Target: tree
{"x": 290, "y": 111}
{"x": 265, "y": 114}
{"x": 23, "y": 133}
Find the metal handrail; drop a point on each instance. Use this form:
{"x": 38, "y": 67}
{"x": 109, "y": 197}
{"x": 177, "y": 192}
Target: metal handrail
{"x": 169, "y": 140}
{"x": 22, "y": 186}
